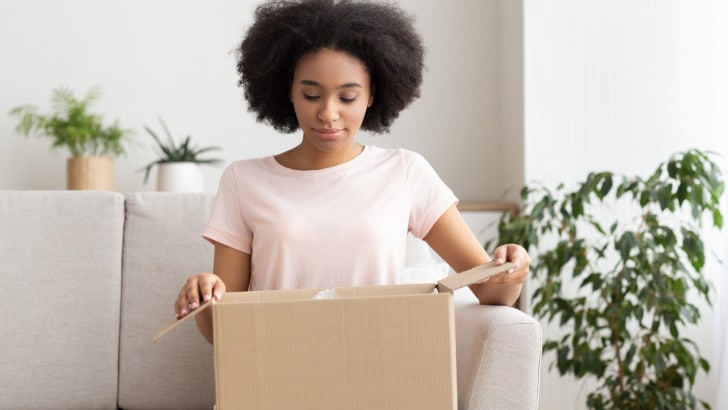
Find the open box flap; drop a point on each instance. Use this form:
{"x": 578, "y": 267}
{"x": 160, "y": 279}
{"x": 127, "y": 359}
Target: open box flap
{"x": 472, "y": 276}
{"x": 175, "y": 322}
{"x": 448, "y": 284}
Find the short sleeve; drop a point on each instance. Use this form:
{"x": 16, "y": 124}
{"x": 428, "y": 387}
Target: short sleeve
{"x": 431, "y": 197}
{"x": 227, "y": 225}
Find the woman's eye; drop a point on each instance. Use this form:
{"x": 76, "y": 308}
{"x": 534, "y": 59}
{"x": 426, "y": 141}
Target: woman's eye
{"x": 343, "y": 98}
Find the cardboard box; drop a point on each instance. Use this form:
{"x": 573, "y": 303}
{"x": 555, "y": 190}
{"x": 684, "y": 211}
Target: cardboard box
{"x": 379, "y": 347}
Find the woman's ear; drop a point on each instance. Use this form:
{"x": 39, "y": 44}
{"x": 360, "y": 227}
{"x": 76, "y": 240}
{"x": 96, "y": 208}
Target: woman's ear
{"x": 372, "y": 91}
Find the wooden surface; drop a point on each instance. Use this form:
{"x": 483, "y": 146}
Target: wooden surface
{"x": 488, "y": 206}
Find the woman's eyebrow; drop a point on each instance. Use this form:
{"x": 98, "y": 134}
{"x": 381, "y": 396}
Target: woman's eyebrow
{"x": 316, "y": 84}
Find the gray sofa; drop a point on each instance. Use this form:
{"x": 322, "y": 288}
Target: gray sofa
{"x": 88, "y": 277}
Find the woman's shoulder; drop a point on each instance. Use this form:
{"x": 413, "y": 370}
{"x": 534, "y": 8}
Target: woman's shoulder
{"x": 409, "y": 163}
{"x": 395, "y": 154}
{"x": 251, "y": 164}
{"x": 250, "y": 167}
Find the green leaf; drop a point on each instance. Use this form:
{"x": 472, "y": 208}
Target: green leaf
{"x": 664, "y": 197}
{"x": 606, "y": 186}
{"x": 644, "y": 198}
{"x": 672, "y": 169}
{"x": 682, "y": 192}
{"x": 626, "y": 243}
{"x": 692, "y": 245}
{"x": 704, "y": 364}
{"x": 717, "y": 218}
{"x": 598, "y": 227}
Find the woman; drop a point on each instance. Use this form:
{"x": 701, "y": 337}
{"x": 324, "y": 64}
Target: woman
{"x": 331, "y": 212}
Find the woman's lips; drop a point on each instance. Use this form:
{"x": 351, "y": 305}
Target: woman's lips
{"x": 329, "y": 132}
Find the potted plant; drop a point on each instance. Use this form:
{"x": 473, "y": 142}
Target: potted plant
{"x": 178, "y": 164}
{"x": 70, "y": 125}
{"x": 617, "y": 264}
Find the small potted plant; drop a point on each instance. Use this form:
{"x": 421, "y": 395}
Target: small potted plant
{"x": 178, "y": 164}
{"x": 70, "y": 125}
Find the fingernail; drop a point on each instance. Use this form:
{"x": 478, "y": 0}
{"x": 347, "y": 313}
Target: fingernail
{"x": 206, "y": 298}
{"x": 511, "y": 270}
{"x": 183, "y": 312}
{"x": 499, "y": 260}
{"x": 193, "y": 305}
{"x": 218, "y": 295}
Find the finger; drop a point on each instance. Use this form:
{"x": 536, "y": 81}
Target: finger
{"x": 520, "y": 257}
{"x": 515, "y": 276}
{"x": 503, "y": 277}
{"x": 500, "y": 254}
{"x": 518, "y": 275}
{"x": 206, "y": 287}
{"x": 515, "y": 254}
{"x": 180, "y": 304}
{"x": 219, "y": 289}
{"x": 193, "y": 294}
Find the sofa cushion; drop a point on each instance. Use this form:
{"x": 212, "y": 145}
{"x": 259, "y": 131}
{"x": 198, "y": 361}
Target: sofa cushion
{"x": 61, "y": 273}
{"x": 163, "y": 245}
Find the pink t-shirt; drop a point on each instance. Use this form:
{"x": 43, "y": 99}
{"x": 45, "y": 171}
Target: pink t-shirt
{"x": 340, "y": 226}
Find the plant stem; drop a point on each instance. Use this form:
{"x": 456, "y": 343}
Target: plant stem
{"x": 620, "y": 364}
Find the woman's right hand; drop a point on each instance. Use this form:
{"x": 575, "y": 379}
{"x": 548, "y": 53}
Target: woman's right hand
{"x": 197, "y": 290}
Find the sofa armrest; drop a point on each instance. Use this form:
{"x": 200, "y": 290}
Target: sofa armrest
{"x": 498, "y": 355}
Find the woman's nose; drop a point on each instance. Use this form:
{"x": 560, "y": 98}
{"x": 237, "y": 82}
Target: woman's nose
{"x": 329, "y": 112}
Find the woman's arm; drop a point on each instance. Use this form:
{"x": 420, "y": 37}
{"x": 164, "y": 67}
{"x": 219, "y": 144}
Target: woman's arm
{"x": 456, "y": 244}
{"x": 231, "y": 274}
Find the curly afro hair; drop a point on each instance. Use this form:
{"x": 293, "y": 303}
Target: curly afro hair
{"x": 381, "y": 35}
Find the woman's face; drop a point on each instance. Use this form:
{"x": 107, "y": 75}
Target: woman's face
{"x": 330, "y": 93}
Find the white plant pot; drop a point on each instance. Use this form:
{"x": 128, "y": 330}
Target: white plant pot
{"x": 179, "y": 177}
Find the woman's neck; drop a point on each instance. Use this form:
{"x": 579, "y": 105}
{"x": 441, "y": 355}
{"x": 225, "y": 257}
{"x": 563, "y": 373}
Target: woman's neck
{"x": 303, "y": 158}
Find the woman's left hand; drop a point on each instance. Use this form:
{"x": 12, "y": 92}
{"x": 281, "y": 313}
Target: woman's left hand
{"x": 515, "y": 254}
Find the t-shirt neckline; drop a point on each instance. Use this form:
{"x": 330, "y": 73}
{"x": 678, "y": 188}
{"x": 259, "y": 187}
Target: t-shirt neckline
{"x": 279, "y": 168}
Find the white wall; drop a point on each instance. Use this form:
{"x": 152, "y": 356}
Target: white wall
{"x": 621, "y": 85}
{"x": 173, "y": 58}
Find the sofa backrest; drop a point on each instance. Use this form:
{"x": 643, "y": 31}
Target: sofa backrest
{"x": 88, "y": 277}
{"x": 61, "y": 276}
{"x": 162, "y": 247}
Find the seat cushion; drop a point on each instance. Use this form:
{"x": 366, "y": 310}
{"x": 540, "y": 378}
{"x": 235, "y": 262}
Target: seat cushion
{"x": 163, "y": 246}
{"x": 61, "y": 277}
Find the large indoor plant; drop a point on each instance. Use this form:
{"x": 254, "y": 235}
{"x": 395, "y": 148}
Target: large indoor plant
{"x": 618, "y": 266}
{"x": 91, "y": 144}
{"x": 178, "y": 162}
